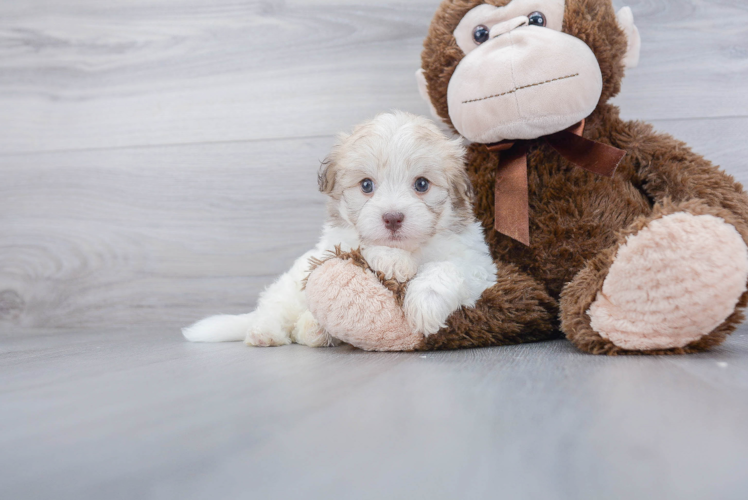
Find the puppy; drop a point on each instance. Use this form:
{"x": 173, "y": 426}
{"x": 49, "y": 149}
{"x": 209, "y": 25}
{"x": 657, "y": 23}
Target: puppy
{"x": 398, "y": 190}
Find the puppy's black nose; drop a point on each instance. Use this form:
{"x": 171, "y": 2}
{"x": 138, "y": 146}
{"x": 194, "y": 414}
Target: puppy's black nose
{"x": 393, "y": 220}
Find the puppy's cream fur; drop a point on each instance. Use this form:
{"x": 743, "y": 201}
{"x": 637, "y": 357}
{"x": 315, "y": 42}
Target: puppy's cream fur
{"x": 439, "y": 247}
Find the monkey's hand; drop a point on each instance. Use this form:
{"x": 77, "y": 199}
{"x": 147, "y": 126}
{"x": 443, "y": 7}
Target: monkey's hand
{"x": 394, "y": 263}
{"x": 433, "y": 295}
{"x": 351, "y": 303}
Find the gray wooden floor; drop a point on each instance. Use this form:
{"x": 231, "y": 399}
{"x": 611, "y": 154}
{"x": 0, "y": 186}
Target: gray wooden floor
{"x": 158, "y": 162}
{"x": 136, "y": 414}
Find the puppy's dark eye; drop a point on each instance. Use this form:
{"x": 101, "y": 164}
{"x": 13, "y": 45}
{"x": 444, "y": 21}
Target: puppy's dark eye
{"x": 367, "y": 186}
{"x": 422, "y": 185}
{"x": 537, "y": 19}
{"x": 480, "y": 34}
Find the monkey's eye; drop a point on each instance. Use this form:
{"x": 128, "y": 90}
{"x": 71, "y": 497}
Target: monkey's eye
{"x": 367, "y": 186}
{"x": 480, "y": 34}
{"x": 422, "y": 185}
{"x": 537, "y": 19}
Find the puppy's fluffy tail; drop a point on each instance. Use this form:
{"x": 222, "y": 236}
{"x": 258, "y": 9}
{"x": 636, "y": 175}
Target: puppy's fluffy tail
{"x": 222, "y": 328}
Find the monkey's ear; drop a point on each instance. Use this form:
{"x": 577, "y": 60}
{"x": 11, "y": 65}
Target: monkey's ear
{"x": 423, "y": 89}
{"x": 626, "y": 23}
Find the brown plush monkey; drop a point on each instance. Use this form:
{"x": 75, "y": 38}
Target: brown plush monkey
{"x": 652, "y": 260}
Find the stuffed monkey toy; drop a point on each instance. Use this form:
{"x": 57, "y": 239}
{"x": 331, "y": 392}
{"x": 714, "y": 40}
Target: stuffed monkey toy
{"x": 618, "y": 238}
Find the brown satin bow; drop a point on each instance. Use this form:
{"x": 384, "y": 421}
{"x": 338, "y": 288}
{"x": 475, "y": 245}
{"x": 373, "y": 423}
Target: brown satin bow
{"x": 511, "y": 201}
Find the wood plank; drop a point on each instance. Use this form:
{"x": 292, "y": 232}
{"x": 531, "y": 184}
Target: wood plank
{"x": 153, "y": 235}
{"x": 694, "y": 60}
{"x": 143, "y": 414}
{"x": 98, "y": 75}
{"x": 167, "y": 235}
{"x": 112, "y": 75}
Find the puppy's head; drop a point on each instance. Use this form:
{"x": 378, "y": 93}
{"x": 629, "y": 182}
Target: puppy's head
{"x": 398, "y": 181}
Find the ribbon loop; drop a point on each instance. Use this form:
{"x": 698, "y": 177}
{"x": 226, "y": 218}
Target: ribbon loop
{"x": 592, "y": 156}
{"x": 511, "y": 202}
{"x": 511, "y": 205}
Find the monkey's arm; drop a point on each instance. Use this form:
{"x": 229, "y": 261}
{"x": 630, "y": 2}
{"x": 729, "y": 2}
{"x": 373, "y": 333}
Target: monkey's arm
{"x": 669, "y": 169}
{"x": 364, "y": 309}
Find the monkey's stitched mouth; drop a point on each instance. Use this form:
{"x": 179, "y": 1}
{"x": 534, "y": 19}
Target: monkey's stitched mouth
{"x": 513, "y": 91}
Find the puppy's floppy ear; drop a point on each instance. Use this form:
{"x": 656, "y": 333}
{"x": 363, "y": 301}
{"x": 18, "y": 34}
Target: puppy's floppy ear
{"x": 326, "y": 175}
{"x": 328, "y": 170}
{"x": 461, "y": 189}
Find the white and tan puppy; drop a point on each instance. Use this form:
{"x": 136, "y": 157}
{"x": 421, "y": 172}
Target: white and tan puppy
{"x": 398, "y": 190}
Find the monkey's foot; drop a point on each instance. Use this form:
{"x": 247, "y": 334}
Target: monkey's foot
{"x": 672, "y": 283}
{"x": 350, "y": 302}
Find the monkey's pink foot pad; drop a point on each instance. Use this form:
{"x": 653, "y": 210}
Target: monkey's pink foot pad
{"x": 673, "y": 282}
{"x": 353, "y": 306}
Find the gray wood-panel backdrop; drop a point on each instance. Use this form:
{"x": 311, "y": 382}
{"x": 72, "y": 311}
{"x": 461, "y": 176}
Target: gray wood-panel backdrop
{"x": 159, "y": 157}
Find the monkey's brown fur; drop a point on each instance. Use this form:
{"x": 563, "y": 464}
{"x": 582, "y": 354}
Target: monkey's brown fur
{"x": 577, "y": 220}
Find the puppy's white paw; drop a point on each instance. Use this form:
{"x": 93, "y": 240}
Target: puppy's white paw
{"x": 427, "y": 314}
{"x": 433, "y": 296}
{"x": 394, "y": 263}
{"x": 308, "y": 332}
{"x": 266, "y": 332}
